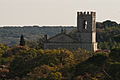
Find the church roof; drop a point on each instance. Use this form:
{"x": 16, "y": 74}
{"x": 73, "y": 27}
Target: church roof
{"x": 61, "y": 37}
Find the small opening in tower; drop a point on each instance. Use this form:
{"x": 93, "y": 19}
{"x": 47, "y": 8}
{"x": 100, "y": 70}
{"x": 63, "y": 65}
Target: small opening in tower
{"x": 85, "y": 24}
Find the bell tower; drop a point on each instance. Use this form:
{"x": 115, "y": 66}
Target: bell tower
{"x": 86, "y": 30}
{"x": 86, "y": 21}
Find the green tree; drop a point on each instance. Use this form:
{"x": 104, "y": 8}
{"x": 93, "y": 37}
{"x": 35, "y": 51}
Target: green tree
{"x": 22, "y": 41}
{"x": 98, "y": 59}
{"x": 114, "y": 70}
{"x": 54, "y": 76}
{"x": 93, "y": 66}
{"x": 41, "y": 73}
{"x": 115, "y": 54}
{"x": 117, "y": 38}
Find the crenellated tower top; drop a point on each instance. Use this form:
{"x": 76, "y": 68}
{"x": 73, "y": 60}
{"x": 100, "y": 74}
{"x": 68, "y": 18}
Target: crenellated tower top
{"x": 86, "y": 21}
{"x": 86, "y": 13}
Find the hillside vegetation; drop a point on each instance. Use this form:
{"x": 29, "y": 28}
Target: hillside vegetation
{"x": 25, "y": 63}
{"x": 106, "y": 33}
{"x": 11, "y": 35}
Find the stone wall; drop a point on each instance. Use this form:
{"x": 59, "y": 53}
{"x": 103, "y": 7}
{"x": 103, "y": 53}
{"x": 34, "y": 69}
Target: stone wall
{"x": 71, "y": 46}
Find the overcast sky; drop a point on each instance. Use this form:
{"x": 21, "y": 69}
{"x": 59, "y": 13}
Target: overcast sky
{"x": 55, "y": 12}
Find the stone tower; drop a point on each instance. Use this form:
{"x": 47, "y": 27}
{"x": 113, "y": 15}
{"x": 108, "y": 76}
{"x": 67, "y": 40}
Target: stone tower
{"x": 84, "y": 37}
{"x": 86, "y": 30}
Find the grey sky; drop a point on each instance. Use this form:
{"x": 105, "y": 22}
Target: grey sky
{"x": 55, "y": 12}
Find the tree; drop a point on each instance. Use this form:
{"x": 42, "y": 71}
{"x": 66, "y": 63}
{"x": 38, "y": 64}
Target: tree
{"x": 54, "y": 76}
{"x": 94, "y": 66}
{"x": 99, "y": 59}
{"x": 117, "y": 38}
{"x": 115, "y": 54}
{"x": 114, "y": 70}
{"x": 41, "y": 72}
{"x": 22, "y": 41}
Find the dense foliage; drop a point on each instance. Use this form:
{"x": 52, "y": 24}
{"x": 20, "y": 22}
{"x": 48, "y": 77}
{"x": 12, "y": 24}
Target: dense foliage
{"x": 108, "y": 35}
{"x": 25, "y": 63}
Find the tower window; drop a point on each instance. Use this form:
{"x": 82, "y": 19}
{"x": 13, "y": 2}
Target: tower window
{"x": 85, "y": 24}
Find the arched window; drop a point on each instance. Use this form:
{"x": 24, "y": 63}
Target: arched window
{"x": 85, "y": 24}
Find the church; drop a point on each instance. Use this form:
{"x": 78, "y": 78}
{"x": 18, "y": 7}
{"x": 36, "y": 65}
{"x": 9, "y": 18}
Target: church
{"x": 84, "y": 37}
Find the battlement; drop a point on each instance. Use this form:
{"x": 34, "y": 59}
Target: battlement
{"x": 86, "y": 13}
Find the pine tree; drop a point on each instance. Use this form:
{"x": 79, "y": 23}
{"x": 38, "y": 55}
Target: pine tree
{"x": 22, "y": 41}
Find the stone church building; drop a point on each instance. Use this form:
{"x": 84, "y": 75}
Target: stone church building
{"x": 84, "y": 37}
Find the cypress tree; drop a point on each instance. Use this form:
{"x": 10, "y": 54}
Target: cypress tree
{"x": 22, "y": 41}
